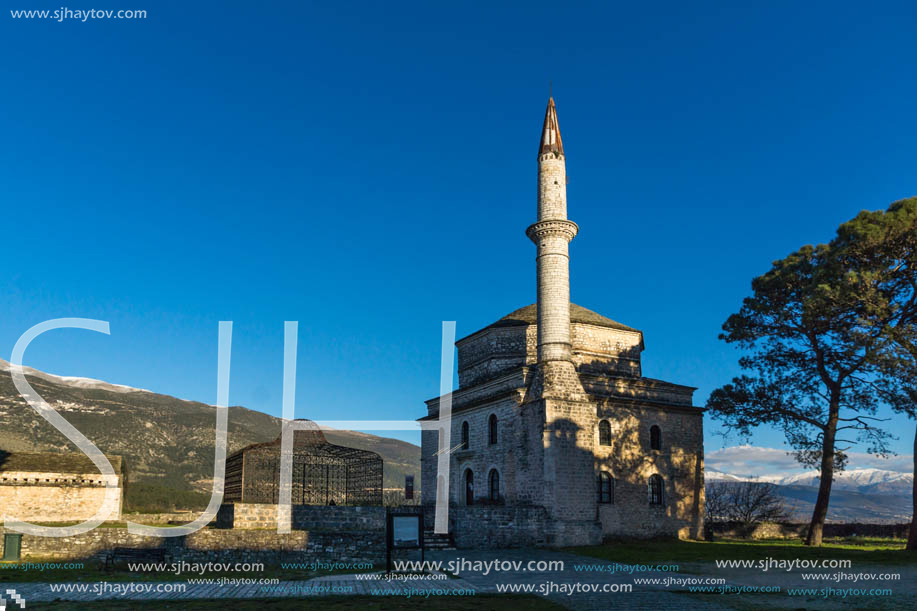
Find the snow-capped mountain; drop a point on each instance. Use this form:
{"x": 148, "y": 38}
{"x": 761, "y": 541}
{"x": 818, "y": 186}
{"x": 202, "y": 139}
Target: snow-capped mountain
{"x": 860, "y": 480}
{"x": 88, "y": 383}
{"x": 858, "y": 495}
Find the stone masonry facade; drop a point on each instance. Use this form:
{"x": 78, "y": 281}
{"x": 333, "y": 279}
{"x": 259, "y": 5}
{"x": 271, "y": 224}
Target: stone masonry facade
{"x": 556, "y": 438}
{"x": 54, "y": 487}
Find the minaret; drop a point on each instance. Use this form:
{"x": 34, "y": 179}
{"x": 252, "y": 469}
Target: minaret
{"x": 561, "y": 458}
{"x": 551, "y": 234}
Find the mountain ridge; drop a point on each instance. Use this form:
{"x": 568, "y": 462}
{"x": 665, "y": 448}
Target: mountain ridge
{"x": 166, "y": 441}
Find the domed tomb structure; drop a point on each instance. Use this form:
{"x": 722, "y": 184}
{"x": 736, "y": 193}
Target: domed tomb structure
{"x": 323, "y": 473}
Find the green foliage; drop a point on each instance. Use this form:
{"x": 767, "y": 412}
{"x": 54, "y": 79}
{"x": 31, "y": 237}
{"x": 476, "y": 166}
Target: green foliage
{"x": 829, "y": 336}
{"x": 807, "y": 357}
{"x": 152, "y": 498}
{"x": 879, "y": 253}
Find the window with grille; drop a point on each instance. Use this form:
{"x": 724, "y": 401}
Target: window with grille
{"x": 656, "y": 490}
{"x": 494, "y": 485}
{"x": 604, "y": 433}
{"x": 606, "y": 488}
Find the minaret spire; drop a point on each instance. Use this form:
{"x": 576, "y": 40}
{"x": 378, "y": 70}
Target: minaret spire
{"x": 550, "y": 133}
{"x": 552, "y": 234}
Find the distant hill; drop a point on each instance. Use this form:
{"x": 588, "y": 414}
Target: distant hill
{"x": 858, "y": 495}
{"x": 167, "y": 442}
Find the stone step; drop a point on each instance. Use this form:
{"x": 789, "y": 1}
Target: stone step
{"x": 437, "y": 541}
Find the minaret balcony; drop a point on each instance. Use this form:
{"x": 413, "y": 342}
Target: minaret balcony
{"x": 552, "y": 228}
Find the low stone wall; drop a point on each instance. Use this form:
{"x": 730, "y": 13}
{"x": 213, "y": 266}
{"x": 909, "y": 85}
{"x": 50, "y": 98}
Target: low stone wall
{"x": 485, "y": 527}
{"x": 161, "y": 518}
{"x": 334, "y": 518}
{"x": 217, "y": 545}
{"x": 789, "y": 530}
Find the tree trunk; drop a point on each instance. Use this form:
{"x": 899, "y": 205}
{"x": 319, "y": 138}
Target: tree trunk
{"x": 817, "y": 525}
{"x": 912, "y": 538}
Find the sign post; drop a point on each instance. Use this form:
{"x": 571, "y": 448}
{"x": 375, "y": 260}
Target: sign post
{"x": 403, "y": 531}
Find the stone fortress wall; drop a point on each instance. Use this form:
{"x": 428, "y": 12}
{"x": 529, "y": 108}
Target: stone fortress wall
{"x": 53, "y": 497}
{"x": 240, "y": 533}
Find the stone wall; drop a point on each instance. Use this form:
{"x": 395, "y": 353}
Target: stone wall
{"x": 498, "y": 527}
{"x": 606, "y": 350}
{"x": 631, "y": 461}
{"x": 330, "y": 518}
{"x": 492, "y": 352}
{"x": 54, "y": 497}
{"x": 215, "y": 545}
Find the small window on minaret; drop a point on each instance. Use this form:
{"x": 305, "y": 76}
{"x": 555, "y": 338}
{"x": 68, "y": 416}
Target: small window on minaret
{"x": 465, "y": 432}
{"x": 492, "y": 426}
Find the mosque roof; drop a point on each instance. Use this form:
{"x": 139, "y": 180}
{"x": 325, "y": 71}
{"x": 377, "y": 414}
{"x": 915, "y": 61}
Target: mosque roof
{"x": 578, "y": 314}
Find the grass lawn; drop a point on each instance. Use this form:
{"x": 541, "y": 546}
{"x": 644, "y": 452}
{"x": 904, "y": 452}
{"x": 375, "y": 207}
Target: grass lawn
{"x": 507, "y": 602}
{"x": 782, "y": 602}
{"x": 857, "y": 549}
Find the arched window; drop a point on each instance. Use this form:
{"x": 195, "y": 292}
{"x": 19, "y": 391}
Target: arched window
{"x": 469, "y": 487}
{"x": 604, "y": 433}
{"x": 656, "y": 490}
{"x": 655, "y": 438}
{"x": 494, "y": 480}
{"x": 606, "y": 488}
{"x": 492, "y": 427}
{"x": 465, "y": 444}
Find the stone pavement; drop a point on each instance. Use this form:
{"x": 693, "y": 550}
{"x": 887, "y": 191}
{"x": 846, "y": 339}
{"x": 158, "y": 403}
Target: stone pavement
{"x": 555, "y": 585}
{"x": 462, "y": 583}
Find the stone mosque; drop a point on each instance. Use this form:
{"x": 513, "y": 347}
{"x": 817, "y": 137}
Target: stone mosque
{"x": 555, "y": 436}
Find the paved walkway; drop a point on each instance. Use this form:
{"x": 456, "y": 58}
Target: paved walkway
{"x": 332, "y": 585}
{"x": 555, "y": 585}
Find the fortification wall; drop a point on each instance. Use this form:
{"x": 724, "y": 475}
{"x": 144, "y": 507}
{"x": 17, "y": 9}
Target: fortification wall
{"x": 53, "y": 497}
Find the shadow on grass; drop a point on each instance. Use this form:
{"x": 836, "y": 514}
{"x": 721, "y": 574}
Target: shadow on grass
{"x": 671, "y": 551}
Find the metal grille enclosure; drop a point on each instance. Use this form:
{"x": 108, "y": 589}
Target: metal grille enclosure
{"x": 323, "y": 473}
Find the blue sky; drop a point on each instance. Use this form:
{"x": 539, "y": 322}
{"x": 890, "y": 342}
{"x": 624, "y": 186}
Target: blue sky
{"x": 368, "y": 169}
